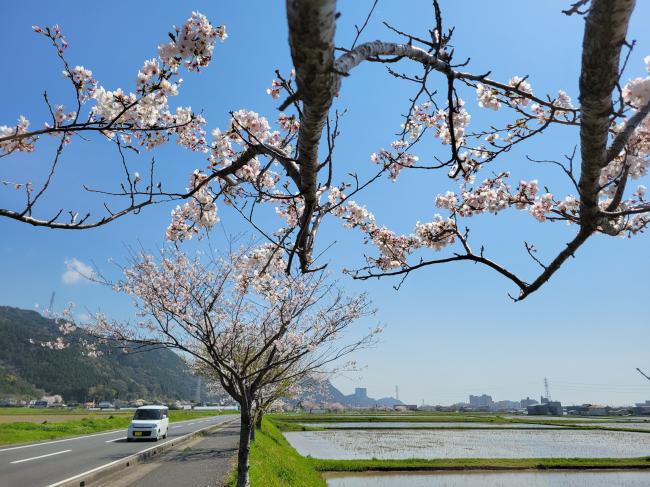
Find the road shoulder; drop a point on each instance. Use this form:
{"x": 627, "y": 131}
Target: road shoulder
{"x": 203, "y": 462}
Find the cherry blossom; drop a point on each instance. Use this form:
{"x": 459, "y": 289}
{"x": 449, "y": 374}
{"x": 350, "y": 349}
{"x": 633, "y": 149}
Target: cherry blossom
{"x": 19, "y": 145}
{"x": 198, "y": 213}
{"x": 192, "y": 44}
{"x": 487, "y": 97}
{"x": 522, "y": 85}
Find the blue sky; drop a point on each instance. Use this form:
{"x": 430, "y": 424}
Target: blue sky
{"x": 452, "y": 330}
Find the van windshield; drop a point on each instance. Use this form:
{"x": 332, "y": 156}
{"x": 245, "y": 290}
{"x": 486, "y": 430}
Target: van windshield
{"x": 148, "y": 414}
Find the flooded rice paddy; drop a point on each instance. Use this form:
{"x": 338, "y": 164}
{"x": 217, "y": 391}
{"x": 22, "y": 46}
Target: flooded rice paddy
{"x": 490, "y": 479}
{"x": 468, "y": 443}
{"x": 422, "y": 424}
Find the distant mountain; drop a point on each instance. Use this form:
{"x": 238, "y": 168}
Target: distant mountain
{"x": 28, "y": 370}
{"x": 327, "y": 393}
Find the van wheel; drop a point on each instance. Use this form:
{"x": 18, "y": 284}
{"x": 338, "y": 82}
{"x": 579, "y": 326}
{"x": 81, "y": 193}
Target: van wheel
{"x": 129, "y": 440}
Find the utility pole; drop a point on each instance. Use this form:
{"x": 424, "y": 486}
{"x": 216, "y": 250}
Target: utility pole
{"x": 198, "y": 391}
{"x": 548, "y": 394}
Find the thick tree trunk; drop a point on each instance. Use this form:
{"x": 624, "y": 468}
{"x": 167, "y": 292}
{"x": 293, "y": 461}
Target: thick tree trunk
{"x": 311, "y": 39}
{"x": 605, "y": 30}
{"x": 258, "y": 421}
{"x": 244, "y": 448}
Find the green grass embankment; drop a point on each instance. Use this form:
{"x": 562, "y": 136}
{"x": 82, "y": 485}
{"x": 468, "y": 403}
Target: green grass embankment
{"x": 274, "y": 463}
{"x": 27, "y": 432}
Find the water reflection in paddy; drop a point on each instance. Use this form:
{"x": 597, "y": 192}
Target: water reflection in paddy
{"x": 489, "y": 479}
{"x": 469, "y": 443}
{"x": 422, "y": 424}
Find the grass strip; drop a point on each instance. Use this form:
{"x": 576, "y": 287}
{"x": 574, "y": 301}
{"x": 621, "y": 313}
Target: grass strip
{"x": 480, "y": 464}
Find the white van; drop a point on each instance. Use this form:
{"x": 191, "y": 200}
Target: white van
{"x": 149, "y": 423}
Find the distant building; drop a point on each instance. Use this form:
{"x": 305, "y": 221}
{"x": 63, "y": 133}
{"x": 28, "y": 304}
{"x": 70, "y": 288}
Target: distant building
{"x": 524, "y": 403}
{"x": 360, "y": 393}
{"x": 597, "y": 410}
{"x": 506, "y": 405}
{"x": 481, "y": 401}
{"x": 578, "y": 409}
{"x": 547, "y": 408}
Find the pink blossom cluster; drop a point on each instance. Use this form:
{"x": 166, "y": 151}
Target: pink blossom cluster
{"x": 249, "y": 128}
{"x": 16, "y": 145}
{"x": 274, "y": 90}
{"x": 522, "y": 85}
{"x": 395, "y": 162}
{"x": 192, "y": 44}
{"x": 145, "y": 116}
{"x": 289, "y": 123}
{"x": 60, "y": 116}
{"x": 393, "y": 248}
{"x": 421, "y": 117}
{"x": 290, "y": 210}
{"x": 635, "y": 158}
{"x": 494, "y": 195}
{"x": 487, "y": 97}
{"x": 460, "y": 119}
{"x": 544, "y": 113}
{"x": 83, "y": 81}
{"x": 637, "y": 91}
{"x": 198, "y": 213}
{"x": 58, "y": 344}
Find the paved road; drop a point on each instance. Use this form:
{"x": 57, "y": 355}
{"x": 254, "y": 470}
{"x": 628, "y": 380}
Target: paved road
{"x": 48, "y": 463}
{"x": 202, "y": 462}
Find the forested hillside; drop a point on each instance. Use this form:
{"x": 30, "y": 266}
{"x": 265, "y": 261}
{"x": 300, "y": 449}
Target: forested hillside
{"x": 28, "y": 369}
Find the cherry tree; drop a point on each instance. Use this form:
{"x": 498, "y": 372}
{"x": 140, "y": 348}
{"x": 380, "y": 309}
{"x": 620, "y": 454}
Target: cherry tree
{"x": 289, "y": 161}
{"x": 241, "y": 320}
{"x": 271, "y": 396}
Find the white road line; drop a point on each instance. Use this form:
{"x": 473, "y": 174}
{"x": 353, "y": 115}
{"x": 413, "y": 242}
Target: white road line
{"x": 116, "y": 439}
{"x": 41, "y": 456}
{"x": 65, "y": 481}
{"x": 44, "y": 443}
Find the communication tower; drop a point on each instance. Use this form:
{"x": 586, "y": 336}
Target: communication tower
{"x": 548, "y": 394}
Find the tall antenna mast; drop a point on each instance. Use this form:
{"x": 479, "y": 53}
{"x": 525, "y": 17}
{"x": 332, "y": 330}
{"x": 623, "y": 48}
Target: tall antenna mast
{"x": 51, "y": 308}
{"x": 548, "y": 394}
{"x": 397, "y": 393}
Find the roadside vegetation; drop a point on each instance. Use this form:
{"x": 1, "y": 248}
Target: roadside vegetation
{"x": 85, "y": 423}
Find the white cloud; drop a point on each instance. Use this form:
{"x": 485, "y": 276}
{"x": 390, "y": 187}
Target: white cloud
{"x": 75, "y": 271}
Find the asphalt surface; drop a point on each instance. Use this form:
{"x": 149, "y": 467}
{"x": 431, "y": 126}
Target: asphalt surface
{"x": 48, "y": 463}
{"x": 202, "y": 462}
